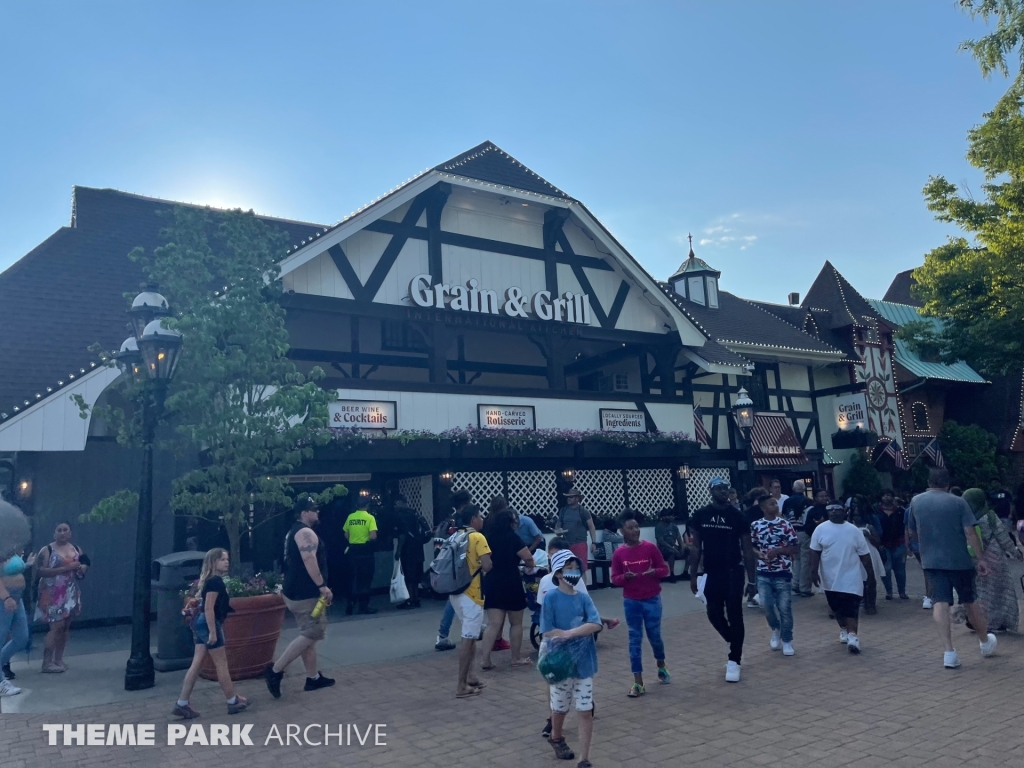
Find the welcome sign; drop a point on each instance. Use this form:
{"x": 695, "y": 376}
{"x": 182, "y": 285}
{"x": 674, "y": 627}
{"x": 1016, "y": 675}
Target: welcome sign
{"x": 363, "y": 414}
{"x": 505, "y": 417}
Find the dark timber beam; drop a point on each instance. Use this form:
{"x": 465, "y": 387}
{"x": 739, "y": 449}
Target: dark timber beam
{"x": 554, "y": 220}
{"x": 436, "y": 197}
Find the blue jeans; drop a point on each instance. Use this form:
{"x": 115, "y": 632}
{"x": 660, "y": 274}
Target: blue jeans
{"x": 17, "y": 625}
{"x": 776, "y": 599}
{"x": 641, "y": 614}
{"x": 895, "y": 562}
{"x": 446, "y": 620}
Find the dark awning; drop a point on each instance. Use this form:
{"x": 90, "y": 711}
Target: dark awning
{"x": 773, "y": 443}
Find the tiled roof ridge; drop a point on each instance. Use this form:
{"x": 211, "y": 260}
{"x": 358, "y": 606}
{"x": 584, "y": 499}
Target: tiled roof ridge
{"x": 166, "y": 201}
{"x": 488, "y": 146}
{"x": 783, "y": 320}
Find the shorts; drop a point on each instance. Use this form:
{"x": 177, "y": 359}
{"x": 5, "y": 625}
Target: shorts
{"x": 302, "y": 610}
{"x": 845, "y": 605}
{"x": 471, "y": 615}
{"x": 201, "y": 633}
{"x": 574, "y": 690}
{"x": 942, "y": 583}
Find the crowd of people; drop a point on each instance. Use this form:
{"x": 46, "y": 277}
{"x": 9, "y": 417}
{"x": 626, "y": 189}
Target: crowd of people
{"x": 767, "y": 549}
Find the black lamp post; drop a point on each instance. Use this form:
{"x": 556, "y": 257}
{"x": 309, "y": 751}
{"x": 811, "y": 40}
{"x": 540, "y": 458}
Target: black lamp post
{"x": 743, "y": 411}
{"x": 149, "y": 358}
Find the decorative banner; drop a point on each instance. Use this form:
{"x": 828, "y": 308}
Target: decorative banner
{"x": 615, "y": 420}
{"x": 363, "y": 414}
{"x": 851, "y": 412}
{"x": 773, "y": 443}
{"x": 505, "y": 417}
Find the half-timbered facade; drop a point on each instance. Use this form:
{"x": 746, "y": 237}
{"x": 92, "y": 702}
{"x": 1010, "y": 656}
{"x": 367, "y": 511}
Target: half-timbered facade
{"x": 469, "y": 307}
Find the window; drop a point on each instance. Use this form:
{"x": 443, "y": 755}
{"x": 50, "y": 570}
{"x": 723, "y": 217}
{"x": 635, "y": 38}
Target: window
{"x": 919, "y": 413}
{"x": 595, "y": 382}
{"x": 398, "y": 336}
{"x": 695, "y": 285}
{"x": 621, "y": 382}
{"x": 713, "y": 292}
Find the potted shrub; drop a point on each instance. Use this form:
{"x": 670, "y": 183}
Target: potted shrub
{"x": 252, "y": 630}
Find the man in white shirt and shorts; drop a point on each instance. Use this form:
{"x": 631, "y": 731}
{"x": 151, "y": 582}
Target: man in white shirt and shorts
{"x": 842, "y": 552}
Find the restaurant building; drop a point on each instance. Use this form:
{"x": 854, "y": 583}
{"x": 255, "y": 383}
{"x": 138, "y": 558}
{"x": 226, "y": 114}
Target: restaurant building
{"x": 481, "y": 329}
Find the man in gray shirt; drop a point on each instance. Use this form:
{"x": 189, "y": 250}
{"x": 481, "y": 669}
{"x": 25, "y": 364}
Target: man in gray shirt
{"x": 573, "y": 524}
{"x": 943, "y": 524}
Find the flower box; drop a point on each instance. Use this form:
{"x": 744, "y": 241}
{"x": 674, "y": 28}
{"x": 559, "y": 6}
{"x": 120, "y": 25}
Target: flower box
{"x": 251, "y": 633}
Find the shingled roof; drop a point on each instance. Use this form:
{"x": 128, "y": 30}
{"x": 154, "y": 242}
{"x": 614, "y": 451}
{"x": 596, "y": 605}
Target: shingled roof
{"x": 900, "y": 290}
{"x": 832, "y": 292}
{"x": 488, "y": 162}
{"x": 67, "y": 293}
{"x": 744, "y": 323}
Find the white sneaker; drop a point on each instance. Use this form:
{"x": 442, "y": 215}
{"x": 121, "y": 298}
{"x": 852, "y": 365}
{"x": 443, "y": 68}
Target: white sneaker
{"x": 787, "y": 649}
{"x": 853, "y": 644}
{"x": 775, "y": 642}
{"x": 844, "y": 636}
{"x": 927, "y": 603}
{"x": 988, "y": 648}
{"x": 7, "y": 688}
{"x": 950, "y": 660}
{"x": 732, "y": 672}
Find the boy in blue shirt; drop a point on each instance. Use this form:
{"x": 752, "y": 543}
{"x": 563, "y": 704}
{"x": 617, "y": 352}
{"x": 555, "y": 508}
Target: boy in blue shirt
{"x": 570, "y": 617}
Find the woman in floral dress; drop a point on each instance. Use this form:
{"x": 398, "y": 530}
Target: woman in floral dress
{"x": 61, "y": 565}
{"x": 996, "y": 591}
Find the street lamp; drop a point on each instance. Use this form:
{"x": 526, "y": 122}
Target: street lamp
{"x": 150, "y": 358}
{"x": 743, "y": 411}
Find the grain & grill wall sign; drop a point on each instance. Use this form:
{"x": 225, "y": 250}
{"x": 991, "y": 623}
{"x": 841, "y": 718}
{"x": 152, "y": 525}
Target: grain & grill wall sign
{"x": 506, "y": 417}
{"x": 620, "y": 420}
{"x": 363, "y": 414}
{"x": 569, "y": 307}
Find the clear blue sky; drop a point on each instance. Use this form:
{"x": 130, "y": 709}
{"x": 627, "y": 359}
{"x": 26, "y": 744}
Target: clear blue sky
{"x": 780, "y": 134}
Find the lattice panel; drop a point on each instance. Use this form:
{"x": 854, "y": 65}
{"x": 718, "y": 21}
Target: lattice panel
{"x": 534, "y": 494}
{"x": 483, "y": 486}
{"x": 412, "y": 489}
{"x": 697, "y": 493}
{"x": 650, "y": 490}
{"x": 602, "y": 491}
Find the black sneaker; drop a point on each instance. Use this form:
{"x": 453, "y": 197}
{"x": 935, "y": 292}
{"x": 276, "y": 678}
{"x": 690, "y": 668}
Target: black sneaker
{"x": 7, "y": 671}
{"x": 316, "y": 683}
{"x": 444, "y": 644}
{"x": 546, "y": 733}
{"x": 273, "y": 680}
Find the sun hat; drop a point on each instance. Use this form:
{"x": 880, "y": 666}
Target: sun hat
{"x": 560, "y": 558}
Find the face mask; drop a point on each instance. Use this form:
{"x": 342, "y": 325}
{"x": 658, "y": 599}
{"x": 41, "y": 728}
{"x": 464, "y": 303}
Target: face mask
{"x": 572, "y": 578}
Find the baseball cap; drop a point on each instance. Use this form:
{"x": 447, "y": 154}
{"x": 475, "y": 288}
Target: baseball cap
{"x": 307, "y": 502}
{"x": 718, "y": 481}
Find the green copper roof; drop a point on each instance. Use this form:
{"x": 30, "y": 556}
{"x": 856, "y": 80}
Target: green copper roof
{"x": 901, "y": 314}
{"x": 693, "y": 264}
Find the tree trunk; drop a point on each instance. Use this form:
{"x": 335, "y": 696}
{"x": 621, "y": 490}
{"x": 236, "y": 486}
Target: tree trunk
{"x": 234, "y": 536}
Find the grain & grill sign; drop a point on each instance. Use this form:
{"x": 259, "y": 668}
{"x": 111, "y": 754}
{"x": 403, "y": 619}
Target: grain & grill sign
{"x": 506, "y": 417}
{"x": 851, "y": 412}
{"x": 363, "y": 414}
{"x": 618, "y": 420}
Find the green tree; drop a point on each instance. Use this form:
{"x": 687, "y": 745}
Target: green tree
{"x": 976, "y": 283}
{"x": 970, "y": 454}
{"x": 236, "y": 397}
{"x": 862, "y": 477}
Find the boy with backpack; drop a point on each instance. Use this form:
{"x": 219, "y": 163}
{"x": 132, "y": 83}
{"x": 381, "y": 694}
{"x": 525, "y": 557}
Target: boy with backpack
{"x": 457, "y": 571}
{"x": 445, "y": 529}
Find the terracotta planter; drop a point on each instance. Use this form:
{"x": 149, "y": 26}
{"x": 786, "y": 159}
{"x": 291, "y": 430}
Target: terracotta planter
{"x": 251, "y": 634}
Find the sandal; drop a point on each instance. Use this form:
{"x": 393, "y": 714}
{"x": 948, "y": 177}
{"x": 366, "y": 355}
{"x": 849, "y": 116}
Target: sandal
{"x": 562, "y": 751}
{"x": 469, "y": 694}
{"x": 584, "y": 764}
{"x": 487, "y": 667}
{"x": 478, "y": 684}
{"x": 522, "y": 663}
{"x": 636, "y": 691}
{"x": 663, "y": 676}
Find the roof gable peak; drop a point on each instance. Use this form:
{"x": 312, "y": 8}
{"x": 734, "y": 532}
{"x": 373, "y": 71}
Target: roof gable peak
{"x": 490, "y": 163}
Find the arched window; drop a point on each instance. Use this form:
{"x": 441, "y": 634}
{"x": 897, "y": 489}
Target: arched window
{"x": 919, "y": 412}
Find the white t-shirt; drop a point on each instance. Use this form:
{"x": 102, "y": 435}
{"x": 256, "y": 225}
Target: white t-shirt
{"x": 547, "y": 584}
{"x": 841, "y": 545}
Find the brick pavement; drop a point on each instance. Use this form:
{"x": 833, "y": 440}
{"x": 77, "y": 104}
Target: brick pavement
{"x": 894, "y": 705}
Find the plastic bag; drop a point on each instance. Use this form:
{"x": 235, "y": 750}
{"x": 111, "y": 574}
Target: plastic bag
{"x": 555, "y": 662}
{"x": 399, "y": 592}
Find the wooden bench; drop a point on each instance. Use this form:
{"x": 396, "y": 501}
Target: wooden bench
{"x": 605, "y": 569}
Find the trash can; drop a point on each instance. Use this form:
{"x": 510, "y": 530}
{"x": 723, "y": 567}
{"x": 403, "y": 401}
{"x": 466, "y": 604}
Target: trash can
{"x": 171, "y": 574}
